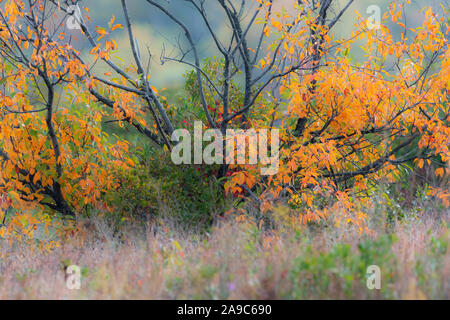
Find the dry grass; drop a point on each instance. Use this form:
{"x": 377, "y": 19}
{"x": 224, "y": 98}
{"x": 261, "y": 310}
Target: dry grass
{"x": 238, "y": 261}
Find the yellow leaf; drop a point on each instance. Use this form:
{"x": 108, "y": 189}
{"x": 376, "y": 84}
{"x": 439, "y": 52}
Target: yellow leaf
{"x": 177, "y": 245}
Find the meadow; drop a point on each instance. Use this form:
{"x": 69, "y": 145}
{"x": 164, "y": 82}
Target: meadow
{"x": 236, "y": 259}
{"x": 113, "y": 186}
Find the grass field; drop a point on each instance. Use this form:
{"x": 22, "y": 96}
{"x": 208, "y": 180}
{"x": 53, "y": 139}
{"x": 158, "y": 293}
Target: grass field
{"x": 237, "y": 260}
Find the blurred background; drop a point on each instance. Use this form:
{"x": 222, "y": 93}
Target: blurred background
{"x": 156, "y": 33}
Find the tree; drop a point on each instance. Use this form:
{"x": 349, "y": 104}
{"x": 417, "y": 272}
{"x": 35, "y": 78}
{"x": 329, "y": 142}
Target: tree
{"x": 362, "y": 118}
{"x": 52, "y": 148}
{"x": 345, "y": 125}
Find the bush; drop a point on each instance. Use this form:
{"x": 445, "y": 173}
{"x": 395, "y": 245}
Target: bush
{"x": 340, "y": 269}
{"x": 157, "y": 188}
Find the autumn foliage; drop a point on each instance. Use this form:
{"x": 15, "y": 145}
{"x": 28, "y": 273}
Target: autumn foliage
{"x": 362, "y": 118}
{"x": 346, "y": 124}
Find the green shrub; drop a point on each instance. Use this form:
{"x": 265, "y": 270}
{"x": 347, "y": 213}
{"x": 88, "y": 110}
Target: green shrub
{"x": 341, "y": 269}
{"x": 429, "y": 267}
{"x": 156, "y": 188}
